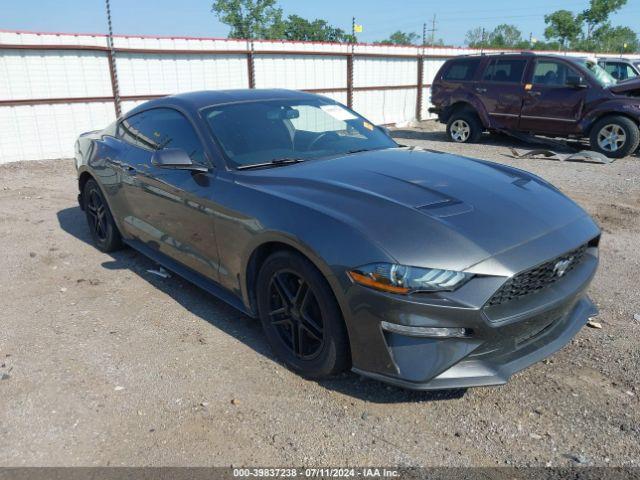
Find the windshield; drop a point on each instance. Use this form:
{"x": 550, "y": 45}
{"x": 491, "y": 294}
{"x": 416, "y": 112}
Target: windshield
{"x": 598, "y": 73}
{"x": 260, "y": 132}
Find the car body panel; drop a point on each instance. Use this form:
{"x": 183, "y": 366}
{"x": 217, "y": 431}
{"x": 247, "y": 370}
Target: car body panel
{"x": 397, "y": 205}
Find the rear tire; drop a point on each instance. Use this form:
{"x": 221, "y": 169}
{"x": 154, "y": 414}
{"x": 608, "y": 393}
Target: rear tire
{"x": 615, "y": 136}
{"x": 464, "y": 127}
{"x": 104, "y": 231}
{"x": 300, "y": 316}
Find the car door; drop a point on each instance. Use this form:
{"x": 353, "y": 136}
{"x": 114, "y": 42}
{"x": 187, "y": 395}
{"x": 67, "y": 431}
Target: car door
{"x": 170, "y": 210}
{"x": 552, "y": 104}
{"x": 620, "y": 70}
{"x": 501, "y": 91}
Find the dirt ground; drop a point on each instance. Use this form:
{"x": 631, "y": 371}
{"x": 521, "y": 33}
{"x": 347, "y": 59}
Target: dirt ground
{"x": 103, "y": 363}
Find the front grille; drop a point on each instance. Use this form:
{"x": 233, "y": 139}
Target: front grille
{"x": 537, "y": 278}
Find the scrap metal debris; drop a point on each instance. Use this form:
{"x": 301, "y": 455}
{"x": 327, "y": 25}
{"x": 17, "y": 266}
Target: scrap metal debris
{"x": 583, "y": 155}
{"x": 160, "y": 272}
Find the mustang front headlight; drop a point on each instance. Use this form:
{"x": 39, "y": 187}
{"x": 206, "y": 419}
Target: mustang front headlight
{"x": 403, "y": 279}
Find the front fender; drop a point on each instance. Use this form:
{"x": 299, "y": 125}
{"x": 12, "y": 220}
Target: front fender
{"x": 626, "y": 108}
{"x": 249, "y": 218}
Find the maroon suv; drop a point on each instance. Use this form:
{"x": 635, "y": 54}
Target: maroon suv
{"x": 538, "y": 94}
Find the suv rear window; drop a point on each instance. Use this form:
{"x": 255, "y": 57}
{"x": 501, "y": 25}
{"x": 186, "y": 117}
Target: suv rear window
{"x": 461, "y": 70}
{"x": 505, "y": 70}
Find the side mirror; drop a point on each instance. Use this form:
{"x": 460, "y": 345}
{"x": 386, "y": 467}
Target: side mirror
{"x": 177, "y": 159}
{"x": 576, "y": 82}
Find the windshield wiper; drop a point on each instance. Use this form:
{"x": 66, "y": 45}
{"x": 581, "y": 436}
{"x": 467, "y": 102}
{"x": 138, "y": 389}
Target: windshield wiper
{"x": 272, "y": 163}
{"x": 358, "y": 150}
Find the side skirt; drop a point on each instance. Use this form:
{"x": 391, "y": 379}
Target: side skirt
{"x": 191, "y": 276}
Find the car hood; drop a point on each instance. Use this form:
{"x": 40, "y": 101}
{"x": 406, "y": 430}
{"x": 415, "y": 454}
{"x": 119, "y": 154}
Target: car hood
{"x": 426, "y": 208}
{"x": 627, "y": 86}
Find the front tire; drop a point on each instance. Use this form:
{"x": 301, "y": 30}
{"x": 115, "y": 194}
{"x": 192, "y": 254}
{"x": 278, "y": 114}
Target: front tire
{"x": 104, "y": 231}
{"x": 300, "y": 316}
{"x": 464, "y": 127}
{"x": 615, "y": 136}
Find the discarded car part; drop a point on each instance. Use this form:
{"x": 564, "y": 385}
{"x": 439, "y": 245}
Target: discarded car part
{"x": 535, "y": 140}
{"x": 584, "y": 155}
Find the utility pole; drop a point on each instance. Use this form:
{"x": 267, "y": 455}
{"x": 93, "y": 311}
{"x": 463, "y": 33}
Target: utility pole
{"x": 353, "y": 30}
{"x": 112, "y": 63}
{"x": 482, "y": 41}
{"x": 424, "y": 34}
{"x": 433, "y": 30}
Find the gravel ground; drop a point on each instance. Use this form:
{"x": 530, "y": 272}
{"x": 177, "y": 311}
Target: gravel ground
{"x": 103, "y": 363}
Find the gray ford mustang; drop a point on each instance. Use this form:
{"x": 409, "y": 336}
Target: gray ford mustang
{"x": 417, "y": 268}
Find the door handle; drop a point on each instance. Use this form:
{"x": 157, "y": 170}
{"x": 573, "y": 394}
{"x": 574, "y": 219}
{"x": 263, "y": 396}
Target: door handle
{"x": 481, "y": 90}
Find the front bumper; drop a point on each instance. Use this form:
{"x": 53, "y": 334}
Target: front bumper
{"x": 494, "y": 368}
{"x": 503, "y": 339}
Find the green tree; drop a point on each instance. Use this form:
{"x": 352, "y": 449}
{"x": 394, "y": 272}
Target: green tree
{"x": 598, "y": 13}
{"x": 298, "y": 28}
{"x": 248, "y": 18}
{"x": 540, "y": 45}
{"x": 476, "y": 38}
{"x": 505, "y": 36}
{"x": 400, "y": 38}
{"x": 564, "y": 26}
{"x": 615, "y": 39}
{"x": 262, "y": 19}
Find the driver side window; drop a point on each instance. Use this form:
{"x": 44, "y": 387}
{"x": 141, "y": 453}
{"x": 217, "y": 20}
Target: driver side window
{"x": 161, "y": 128}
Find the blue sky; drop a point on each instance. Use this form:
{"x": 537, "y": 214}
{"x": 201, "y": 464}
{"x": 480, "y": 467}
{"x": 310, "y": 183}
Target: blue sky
{"x": 379, "y": 17}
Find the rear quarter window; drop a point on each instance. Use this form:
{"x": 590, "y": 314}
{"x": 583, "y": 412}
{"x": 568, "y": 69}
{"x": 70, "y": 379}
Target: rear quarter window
{"x": 461, "y": 70}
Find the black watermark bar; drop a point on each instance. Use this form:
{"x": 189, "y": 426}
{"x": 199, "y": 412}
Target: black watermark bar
{"x": 209, "y": 473}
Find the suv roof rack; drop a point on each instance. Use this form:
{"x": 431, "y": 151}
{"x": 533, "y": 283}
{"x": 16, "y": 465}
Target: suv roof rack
{"x": 484, "y": 54}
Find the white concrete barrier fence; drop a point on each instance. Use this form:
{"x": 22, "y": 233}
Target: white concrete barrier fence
{"x": 54, "y": 86}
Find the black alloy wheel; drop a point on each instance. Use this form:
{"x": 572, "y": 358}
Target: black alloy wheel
{"x": 301, "y": 317}
{"x": 103, "y": 229}
{"x": 296, "y": 315}
{"x": 97, "y": 216}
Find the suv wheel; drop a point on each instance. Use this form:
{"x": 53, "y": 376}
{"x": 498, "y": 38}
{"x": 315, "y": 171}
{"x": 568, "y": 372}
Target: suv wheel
{"x": 615, "y": 136}
{"x": 464, "y": 127}
{"x": 300, "y": 316}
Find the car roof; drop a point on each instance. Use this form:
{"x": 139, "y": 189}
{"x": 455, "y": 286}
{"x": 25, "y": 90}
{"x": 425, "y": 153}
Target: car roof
{"x": 518, "y": 54}
{"x": 617, "y": 59}
{"x": 194, "y": 101}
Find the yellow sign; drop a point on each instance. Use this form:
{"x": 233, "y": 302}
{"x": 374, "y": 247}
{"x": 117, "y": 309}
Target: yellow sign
{"x": 357, "y": 28}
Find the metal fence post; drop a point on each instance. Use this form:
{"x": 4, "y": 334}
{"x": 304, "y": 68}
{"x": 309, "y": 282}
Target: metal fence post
{"x": 350, "y": 80}
{"x": 113, "y": 72}
{"x": 420, "y": 87}
{"x": 250, "y": 65}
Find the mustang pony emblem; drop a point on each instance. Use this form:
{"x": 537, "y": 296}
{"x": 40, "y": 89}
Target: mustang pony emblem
{"x": 560, "y": 268}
